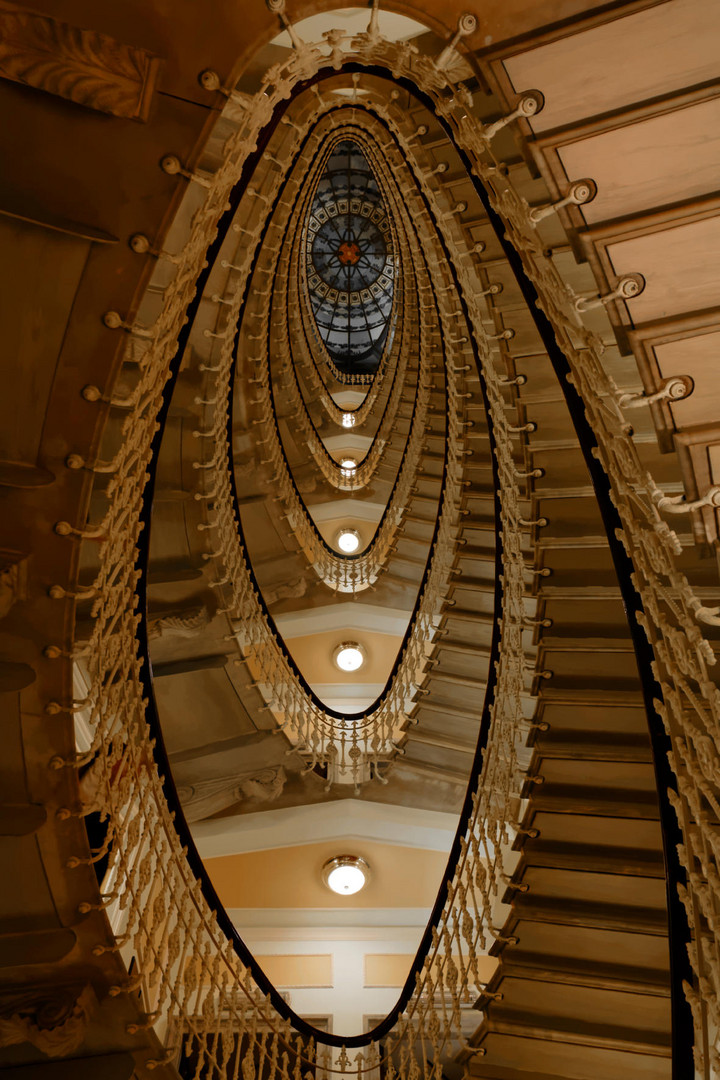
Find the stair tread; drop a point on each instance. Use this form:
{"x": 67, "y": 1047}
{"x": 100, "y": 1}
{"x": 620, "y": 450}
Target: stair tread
{"x": 512, "y": 1057}
{"x": 649, "y": 920}
{"x": 551, "y": 969}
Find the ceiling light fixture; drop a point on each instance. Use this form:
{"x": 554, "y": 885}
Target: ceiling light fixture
{"x": 348, "y": 419}
{"x": 346, "y": 874}
{"x": 349, "y": 656}
{"x": 348, "y": 464}
{"x": 348, "y": 540}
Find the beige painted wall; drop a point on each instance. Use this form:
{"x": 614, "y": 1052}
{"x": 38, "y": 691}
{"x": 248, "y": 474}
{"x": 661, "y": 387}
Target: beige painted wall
{"x": 304, "y": 970}
{"x": 313, "y": 655}
{"x": 291, "y": 877}
{"x": 390, "y": 969}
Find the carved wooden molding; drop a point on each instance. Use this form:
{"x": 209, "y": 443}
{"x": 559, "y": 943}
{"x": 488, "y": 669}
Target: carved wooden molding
{"x": 83, "y": 66}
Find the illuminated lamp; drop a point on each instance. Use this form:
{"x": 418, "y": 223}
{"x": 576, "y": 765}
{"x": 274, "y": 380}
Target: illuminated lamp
{"x": 349, "y": 656}
{"x": 348, "y": 540}
{"x": 346, "y": 874}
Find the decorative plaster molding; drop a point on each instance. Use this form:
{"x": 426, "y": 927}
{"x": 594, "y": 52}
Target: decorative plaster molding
{"x": 207, "y": 797}
{"x": 386, "y": 823}
{"x": 349, "y": 508}
{"x": 55, "y": 1023}
{"x": 184, "y": 624}
{"x": 258, "y": 925}
{"x": 13, "y": 580}
{"x": 343, "y": 616}
{"x": 83, "y": 66}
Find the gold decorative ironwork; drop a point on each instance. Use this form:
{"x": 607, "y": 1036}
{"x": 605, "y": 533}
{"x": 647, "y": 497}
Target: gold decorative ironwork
{"x": 188, "y": 970}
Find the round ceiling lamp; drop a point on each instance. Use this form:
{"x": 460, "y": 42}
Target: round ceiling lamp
{"x": 348, "y": 419}
{"x": 348, "y": 540}
{"x": 349, "y": 656}
{"x": 346, "y": 874}
{"x": 348, "y": 464}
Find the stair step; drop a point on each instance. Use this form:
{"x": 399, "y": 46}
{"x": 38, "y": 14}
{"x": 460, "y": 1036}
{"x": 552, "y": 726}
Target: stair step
{"x": 479, "y": 522}
{"x": 509, "y": 1057}
{"x": 463, "y": 615}
{"x": 588, "y": 913}
{"x": 588, "y": 1033}
{"x": 426, "y": 704}
{"x": 598, "y": 835}
{"x": 576, "y": 948}
{"x": 445, "y": 678}
{"x": 561, "y": 886}
{"x": 570, "y": 718}
{"x": 583, "y": 1014}
{"x": 599, "y": 775}
{"x": 473, "y": 583}
{"x": 590, "y": 746}
{"x": 611, "y": 802}
{"x": 420, "y": 735}
{"x": 476, "y": 601}
{"x": 611, "y": 976}
{"x": 604, "y": 859}
{"x": 465, "y": 647}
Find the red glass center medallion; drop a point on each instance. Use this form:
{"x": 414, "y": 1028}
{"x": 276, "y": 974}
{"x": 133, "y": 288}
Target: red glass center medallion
{"x": 348, "y": 253}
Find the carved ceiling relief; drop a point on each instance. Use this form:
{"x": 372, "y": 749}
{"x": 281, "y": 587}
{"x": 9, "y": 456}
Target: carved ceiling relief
{"x": 184, "y": 623}
{"x": 208, "y": 797}
{"x": 13, "y": 577}
{"x": 84, "y": 66}
{"x": 54, "y": 1023}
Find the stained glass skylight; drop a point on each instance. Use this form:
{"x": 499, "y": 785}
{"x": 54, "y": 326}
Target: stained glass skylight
{"x": 351, "y": 264}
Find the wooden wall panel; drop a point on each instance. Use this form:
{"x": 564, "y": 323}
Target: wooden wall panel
{"x": 681, "y": 266}
{"x": 659, "y": 161}
{"x": 644, "y": 55}
{"x": 35, "y": 305}
{"x": 697, "y": 357}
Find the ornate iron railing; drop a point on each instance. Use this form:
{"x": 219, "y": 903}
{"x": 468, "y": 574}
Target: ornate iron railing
{"x": 189, "y": 964}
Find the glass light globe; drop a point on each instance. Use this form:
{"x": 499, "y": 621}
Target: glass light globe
{"x": 349, "y": 464}
{"x": 348, "y": 540}
{"x": 346, "y": 874}
{"x": 346, "y": 880}
{"x": 348, "y": 419}
{"x": 349, "y": 656}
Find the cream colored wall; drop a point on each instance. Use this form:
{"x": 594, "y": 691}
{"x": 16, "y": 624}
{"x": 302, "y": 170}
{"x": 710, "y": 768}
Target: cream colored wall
{"x": 291, "y": 877}
{"x": 347, "y": 976}
{"x": 330, "y": 528}
{"x": 324, "y": 951}
{"x": 302, "y": 970}
{"x": 313, "y": 653}
{"x": 390, "y": 969}
{"x": 350, "y": 998}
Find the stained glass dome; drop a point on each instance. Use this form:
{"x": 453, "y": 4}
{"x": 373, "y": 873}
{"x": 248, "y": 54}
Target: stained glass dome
{"x": 351, "y": 264}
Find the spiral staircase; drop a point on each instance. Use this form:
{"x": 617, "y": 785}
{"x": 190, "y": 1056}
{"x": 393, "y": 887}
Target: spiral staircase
{"x": 603, "y": 966}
